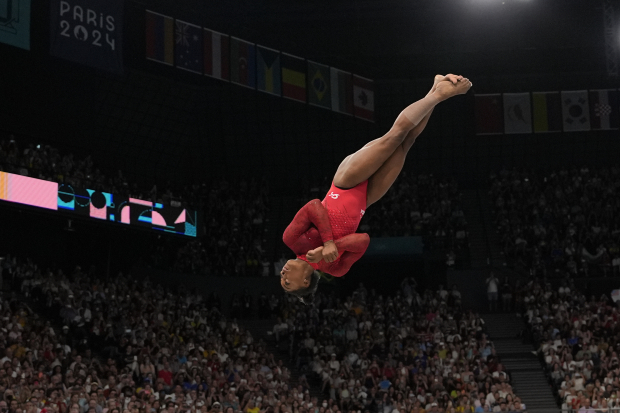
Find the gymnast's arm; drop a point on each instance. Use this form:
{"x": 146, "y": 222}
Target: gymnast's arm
{"x": 311, "y": 214}
{"x": 353, "y": 246}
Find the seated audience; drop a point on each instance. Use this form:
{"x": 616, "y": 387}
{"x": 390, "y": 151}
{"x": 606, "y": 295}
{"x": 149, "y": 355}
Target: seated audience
{"x": 577, "y": 343}
{"x": 559, "y": 223}
{"x": 409, "y": 353}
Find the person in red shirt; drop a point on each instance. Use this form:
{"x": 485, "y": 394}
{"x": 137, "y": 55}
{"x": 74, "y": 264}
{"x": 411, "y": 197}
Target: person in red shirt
{"x": 322, "y": 234}
{"x": 165, "y": 374}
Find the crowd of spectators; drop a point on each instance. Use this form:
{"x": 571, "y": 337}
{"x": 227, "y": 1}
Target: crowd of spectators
{"x": 125, "y": 346}
{"x": 409, "y": 352}
{"x": 236, "y": 237}
{"x": 579, "y": 344}
{"x": 416, "y": 205}
{"x": 560, "y": 223}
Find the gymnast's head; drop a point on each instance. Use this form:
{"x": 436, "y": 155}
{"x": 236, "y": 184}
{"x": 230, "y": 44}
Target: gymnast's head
{"x": 298, "y": 278}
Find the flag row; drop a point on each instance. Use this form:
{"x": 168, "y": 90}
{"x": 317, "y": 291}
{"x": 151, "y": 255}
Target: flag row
{"x": 207, "y": 52}
{"x": 544, "y": 112}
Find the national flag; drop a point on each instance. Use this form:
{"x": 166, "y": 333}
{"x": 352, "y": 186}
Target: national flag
{"x": 575, "y": 111}
{"x": 342, "y": 91}
{"x": 517, "y": 113}
{"x": 293, "y": 77}
{"x": 216, "y": 54}
{"x": 489, "y": 114}
{"x": 547, "y": 112}
{"x": 188, "y": 47}
{"x": 15, "y": 23}
{"x": 319, "y": 85}
{"x": 604, "y": 109}
{"x": 363, "y": 98}
{"x": 159, "y": 38}
{"x": 242, "y": 63}
{"x": 268, "y": 75}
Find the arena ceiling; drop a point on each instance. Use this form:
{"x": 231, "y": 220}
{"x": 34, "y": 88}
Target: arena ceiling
{"x": 398, "y": 38}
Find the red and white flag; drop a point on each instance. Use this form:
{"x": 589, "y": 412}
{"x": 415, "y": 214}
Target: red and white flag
{"x": 363, "y": 98}
{"x": 217, "y": 54}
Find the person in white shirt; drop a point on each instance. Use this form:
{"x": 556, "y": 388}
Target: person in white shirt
{"x": 334, "y": 364}
{"x": 281, "y": 328}
{"x": 492, "y": 291}
{"x": 351, "y": 333}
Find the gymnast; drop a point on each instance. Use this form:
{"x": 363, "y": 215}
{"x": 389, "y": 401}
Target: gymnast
{"x": 322, "y": 234}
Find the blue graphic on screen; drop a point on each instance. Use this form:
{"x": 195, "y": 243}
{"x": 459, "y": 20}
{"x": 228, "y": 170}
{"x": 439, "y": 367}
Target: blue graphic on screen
{"x": 94, "y": 204}
{"x": 131, "y": 211}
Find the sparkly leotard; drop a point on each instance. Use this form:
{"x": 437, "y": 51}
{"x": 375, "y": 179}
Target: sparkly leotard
{"x": 335, "y": 218}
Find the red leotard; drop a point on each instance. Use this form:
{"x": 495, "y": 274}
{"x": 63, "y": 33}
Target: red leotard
{"x": 336, "y": 218}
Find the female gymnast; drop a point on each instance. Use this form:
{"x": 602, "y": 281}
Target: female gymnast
{"x": 322, "y": 234}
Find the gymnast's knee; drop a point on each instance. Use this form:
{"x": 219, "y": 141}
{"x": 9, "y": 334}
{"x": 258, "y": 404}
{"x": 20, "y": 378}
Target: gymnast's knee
{"x": 395, "y": 138}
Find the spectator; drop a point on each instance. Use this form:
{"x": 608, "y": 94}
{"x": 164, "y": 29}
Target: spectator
{"x": 576, "y": 344}
{"x": 410, "y": 352}
{"x": 159, "y": 350}
{"x": 492, "y": 291}
{"x": 560, "y": 223}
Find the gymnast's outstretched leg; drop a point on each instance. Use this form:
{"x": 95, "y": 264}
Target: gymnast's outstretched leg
{"x": 381, "y": 160}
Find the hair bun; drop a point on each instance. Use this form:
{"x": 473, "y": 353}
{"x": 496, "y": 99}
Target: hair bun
{"x": 307, "y": 300}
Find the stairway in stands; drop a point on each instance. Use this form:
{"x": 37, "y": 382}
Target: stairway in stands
{"x": 259, "y": 329}
{"x": 527, "y": 376}
{"x": 483, "y": 237}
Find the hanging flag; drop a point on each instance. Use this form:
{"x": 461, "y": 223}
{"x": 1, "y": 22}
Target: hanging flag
{"x": 363, "y": 98}
{"x": 293, "y": 77}
{"x": 575, "y": 111}
{"x": 216, "y": 54}
{"x": 319, "y": 85}
{"x": 15, "y": 23}
{"x": 489, "y": 114}
{"x": 547, "y": 112}
{"x": 268, "y": 75}
{"x": 242, "y": 63}
{"x": 188, "y": 47}
{"x": 89, "y": 32}
{"x": 159, "y": 38}
{"x": 604, "y": 109}
{"x": 517, "y": 113}
{"x": 342, "y": 91}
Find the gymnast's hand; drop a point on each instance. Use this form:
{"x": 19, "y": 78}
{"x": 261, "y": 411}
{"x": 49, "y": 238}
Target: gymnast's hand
{"x": 314, "y": 256}
{"x": 330, "y": 251}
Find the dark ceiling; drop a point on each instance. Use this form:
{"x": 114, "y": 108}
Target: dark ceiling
{"x": 396, "y": 38}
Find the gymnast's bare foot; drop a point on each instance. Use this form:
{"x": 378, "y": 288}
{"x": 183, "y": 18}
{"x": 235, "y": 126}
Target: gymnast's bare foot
{"x": 441, "y": 78}
{"x": 446, "y": 89}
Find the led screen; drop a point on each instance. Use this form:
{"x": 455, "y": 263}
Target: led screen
{"x": 91, "y": 204}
